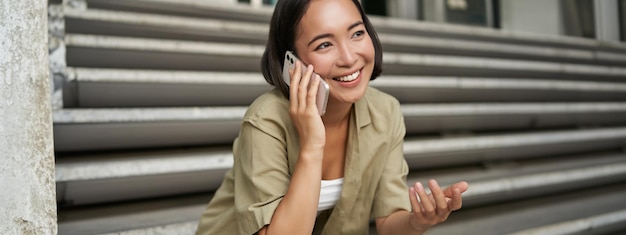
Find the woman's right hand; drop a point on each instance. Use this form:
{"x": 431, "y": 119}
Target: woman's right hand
{"x": 303, "y": 110}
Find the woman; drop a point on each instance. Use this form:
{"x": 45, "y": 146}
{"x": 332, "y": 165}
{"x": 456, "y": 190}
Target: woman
{"x": 298, "y": 173}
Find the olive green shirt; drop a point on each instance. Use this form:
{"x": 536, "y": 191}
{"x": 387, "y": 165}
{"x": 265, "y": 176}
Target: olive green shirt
{"x": 266, "y": 152}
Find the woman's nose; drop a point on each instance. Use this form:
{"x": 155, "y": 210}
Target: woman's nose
{"x": 347, "y": 56}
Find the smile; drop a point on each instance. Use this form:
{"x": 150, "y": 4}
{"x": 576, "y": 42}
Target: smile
{"x": 348, "y": 78}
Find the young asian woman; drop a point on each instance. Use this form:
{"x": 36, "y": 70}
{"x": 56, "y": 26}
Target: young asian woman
{"x": 296, "y": 172}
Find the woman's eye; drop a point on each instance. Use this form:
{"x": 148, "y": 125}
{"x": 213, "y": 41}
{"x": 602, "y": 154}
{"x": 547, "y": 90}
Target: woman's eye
{"x": 358, "y": 34}
{"x": 322, "y": 46}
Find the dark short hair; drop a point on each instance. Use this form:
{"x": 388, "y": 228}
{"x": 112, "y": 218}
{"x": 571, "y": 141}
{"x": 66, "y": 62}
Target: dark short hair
{"x": 282, "y": 36}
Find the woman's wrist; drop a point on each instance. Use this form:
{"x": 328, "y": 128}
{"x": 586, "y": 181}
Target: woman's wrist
{"x": 418, "y": 228}
{"x": 314, "y": 151}
{"x": 312, "y": 156}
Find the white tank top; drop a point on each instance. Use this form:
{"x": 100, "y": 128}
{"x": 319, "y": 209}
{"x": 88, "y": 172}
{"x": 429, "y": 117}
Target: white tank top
{"x": 330, "y": 192}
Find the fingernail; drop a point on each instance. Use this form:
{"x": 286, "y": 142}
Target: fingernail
{"x": 420, "y": 186}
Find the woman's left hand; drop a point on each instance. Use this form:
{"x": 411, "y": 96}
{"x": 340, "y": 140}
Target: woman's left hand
{"x": 434, "y": 208}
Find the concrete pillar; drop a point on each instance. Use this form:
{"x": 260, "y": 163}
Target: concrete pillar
{"x": 607, "y": 20}
{"x": 435, "y": 11}
{"x": 405, "y": 9}
{"x": 57, "y": 52}
{"x": 27, "y": 187}
{"x": 534, "y": 16}
{"x": 223, "y": 1}
{"x": 256, "y": 3}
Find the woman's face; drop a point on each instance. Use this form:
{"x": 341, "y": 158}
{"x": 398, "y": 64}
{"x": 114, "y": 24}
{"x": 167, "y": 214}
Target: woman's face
{"x": 332, "y": 37}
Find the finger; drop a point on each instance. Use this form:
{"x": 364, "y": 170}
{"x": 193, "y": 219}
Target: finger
{"x": 418, "y": 210}
{"x": 432, "y": 198}
{"x": 426, "y": 203}
{"x": 293, "y": 88}
{"x": 457, "y": 200}
{"x": 308, "y": 75}
{"x": 440, "y": 198}
{"x": 303, "y": 89}
{"x": 312, "y": 99}
{"x": 462, "y": 186}
{"x": 414, "y": 201}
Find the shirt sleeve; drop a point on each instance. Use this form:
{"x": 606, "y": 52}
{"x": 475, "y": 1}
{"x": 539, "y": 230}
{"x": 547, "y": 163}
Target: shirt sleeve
{"x": 261, "y": 174}
{"x": 392, "y": 192}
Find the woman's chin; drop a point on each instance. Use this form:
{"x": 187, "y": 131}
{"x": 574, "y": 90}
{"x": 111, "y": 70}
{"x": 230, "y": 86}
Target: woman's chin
{"x": 351, "y": 96}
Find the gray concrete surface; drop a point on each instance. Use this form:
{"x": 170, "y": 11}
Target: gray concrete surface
{"x": 26, "y": 147}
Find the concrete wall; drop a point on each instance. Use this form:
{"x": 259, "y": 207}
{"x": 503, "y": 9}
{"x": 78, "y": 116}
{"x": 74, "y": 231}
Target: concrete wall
{"x": 534, "y": 16}
{"x": 27, "y": 188}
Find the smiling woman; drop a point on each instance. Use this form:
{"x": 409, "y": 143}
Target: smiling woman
{"x": 296, "y": 172}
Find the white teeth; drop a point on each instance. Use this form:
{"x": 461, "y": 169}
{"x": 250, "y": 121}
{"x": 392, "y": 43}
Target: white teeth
{"x": 349, "y": 78}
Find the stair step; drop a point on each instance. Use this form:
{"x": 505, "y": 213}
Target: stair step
{"x": 129, "y": 24}
{"x": 404, "y": 64}
{"x": 97, "y": 88}
{"x": 425, "y": 153}
{"x": 132, "y": 24}
{"x": 476, "y": 117}
{"x": 419, "y": 89}
{"x": 108, "y": 129}
{"x": 191, "y": 8}
{"x": 125, "y": 52}
{"x": 182, "y": 213}
{"x": 102, "y": 129}
{"x": 607, "y": 223}
{"x": 93, "y": 178}
{"x": 105, "y": 177}
{"x": 596, "y": 224}
{"x": 178, "y": 228}
{"x": 144, "y": 217}
{"x": 511, "y": 217}
{"x": 234, "y": 12}
{"x": 516, "y": 179}
{"x": 141, "y": 53}
{"x": 433, "y": 45}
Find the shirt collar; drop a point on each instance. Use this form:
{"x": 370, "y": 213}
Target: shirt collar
{"x": 362, "y": 111}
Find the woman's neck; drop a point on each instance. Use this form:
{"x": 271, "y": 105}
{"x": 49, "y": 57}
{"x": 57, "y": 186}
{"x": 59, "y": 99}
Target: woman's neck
{"x": 337, "y": 114}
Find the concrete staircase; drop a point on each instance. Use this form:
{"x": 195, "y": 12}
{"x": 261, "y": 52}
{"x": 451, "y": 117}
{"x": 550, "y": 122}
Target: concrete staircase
{"x": 153, "y": 91}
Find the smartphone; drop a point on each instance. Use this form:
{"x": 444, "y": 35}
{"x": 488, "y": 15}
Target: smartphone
{"x": 322, "y": 90}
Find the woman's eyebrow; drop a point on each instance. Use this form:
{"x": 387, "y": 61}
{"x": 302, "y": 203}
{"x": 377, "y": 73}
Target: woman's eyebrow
{"x": 352, "y": 26}
{"x": 318, "y": 37}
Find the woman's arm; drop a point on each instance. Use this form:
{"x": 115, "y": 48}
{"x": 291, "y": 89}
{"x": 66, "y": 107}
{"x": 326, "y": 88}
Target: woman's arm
{"x": 297, "y": 211}
{"x": 428, "y": 209}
